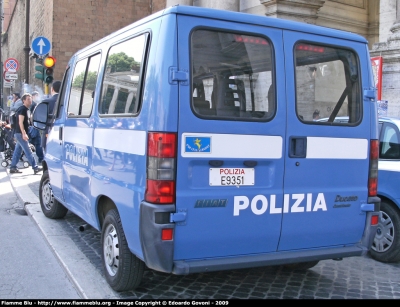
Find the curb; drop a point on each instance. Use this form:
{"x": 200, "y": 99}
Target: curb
{"x": 89, "y": 283}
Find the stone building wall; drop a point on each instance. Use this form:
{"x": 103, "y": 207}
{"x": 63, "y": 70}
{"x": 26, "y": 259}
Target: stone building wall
{"x": 158, "y": 5}
{"x": 40, "y": 24}
{"x": 70, "y": 26}
{"x": 14, "y": 43}
{"x": 389, "y": 49}
{"x": 73, "y": 24}
{"x": 79, "y": 23}
{"x": 387, "y": 17}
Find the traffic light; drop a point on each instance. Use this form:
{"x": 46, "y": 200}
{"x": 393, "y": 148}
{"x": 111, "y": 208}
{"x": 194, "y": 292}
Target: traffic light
{"x": 49, "y": 63}
{"x": 40, "y": 69}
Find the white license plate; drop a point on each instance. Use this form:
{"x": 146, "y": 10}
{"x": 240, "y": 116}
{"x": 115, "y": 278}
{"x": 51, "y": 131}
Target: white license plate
{"x": 231, "y": 176}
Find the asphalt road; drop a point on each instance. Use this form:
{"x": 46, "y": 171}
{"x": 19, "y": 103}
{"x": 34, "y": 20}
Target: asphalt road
{"x": 80, "y": 254}
{"x": 28, "y": 270}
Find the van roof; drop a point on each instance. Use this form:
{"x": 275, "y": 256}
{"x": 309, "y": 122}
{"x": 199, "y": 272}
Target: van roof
{"x": 238, "y": 17}
{"x": 262, "y": 20}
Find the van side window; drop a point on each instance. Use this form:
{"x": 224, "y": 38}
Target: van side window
{"x": 122, "y": 77}
{"x": 83, "y": 86}
{"x": 60, "y": 102}
{"x": 232, "y": 76}
{"x": 328, "y": 85}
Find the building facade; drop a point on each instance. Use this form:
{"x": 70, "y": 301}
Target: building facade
{"x": 68, "y": 25}
{"x": 74, "y": 24}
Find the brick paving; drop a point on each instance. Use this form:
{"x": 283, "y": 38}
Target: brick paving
{"x": 351, "y": 278}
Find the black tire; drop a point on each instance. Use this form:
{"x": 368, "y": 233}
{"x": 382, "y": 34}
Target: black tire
{"x": 300, "y": 265}
{"x": 386, "y": 245}
{"x": 123, "y": 270}
{"x": 50, "y": 206}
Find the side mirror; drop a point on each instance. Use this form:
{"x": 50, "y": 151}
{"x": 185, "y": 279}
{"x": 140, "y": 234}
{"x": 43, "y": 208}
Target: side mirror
{"x": 40, "y": 115}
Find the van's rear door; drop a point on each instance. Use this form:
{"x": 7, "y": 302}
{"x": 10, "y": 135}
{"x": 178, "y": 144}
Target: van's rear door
{"x": 230, "y": 162}
{"x": 326, "y": 168}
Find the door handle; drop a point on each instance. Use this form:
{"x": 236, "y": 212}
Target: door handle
{"x": 250, "y": 163}
{"x": 216, "y": 163}
{"x": 298, "y": 146}
{"x": 60, "y": 133}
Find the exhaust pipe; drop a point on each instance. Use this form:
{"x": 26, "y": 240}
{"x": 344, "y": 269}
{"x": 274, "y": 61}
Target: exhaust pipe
{"x": 83, "y": 227}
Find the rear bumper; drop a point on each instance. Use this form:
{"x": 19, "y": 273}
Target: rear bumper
{"x": 278, "y": 258}
{"x": 370, "y": 231}
{"x": 159, "y": 255}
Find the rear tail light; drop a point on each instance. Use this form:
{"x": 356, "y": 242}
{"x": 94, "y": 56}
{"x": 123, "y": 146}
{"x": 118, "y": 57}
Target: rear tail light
{"x": 161, "y": 159}
{"x": 373, "y": 169}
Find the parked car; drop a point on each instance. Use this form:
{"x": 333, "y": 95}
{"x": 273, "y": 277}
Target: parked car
{"x": 386, "y": 245}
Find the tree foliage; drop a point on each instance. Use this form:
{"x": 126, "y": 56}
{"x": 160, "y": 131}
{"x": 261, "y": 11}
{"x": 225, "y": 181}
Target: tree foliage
{"x": 121, "y": 62}
{"x": 90, "y": 80}
{"x": 117, "y": 62}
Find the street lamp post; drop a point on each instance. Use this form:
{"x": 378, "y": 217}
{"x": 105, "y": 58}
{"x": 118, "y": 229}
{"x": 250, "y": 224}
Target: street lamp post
{"x": 27, "y": 48}
{"x": 1, "y": 60}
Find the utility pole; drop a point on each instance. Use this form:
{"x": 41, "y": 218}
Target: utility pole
{"x": 1, "y": 60}
{"x": 27, "y": 48}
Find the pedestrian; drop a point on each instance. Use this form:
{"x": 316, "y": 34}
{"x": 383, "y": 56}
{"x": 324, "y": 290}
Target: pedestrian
{"x": 16, "y": 102}
{"x": 21, "y": 136}
{"x": 34, "y": 135}
{"x": 35, "y": 100}
{"x": 55, "y": 89}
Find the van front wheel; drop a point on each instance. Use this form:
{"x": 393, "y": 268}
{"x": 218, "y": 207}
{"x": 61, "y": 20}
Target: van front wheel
{"x": 50, "y": 206}
{"x": 123, "y": 270}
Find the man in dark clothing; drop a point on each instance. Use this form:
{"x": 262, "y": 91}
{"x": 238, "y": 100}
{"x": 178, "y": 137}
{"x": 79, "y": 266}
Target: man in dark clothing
{"x": 35, "y": 100}
{"x": 21, "y": 135}
{"x": 55, "y": 89}
{"x": 15, "y": 104}
{"x": 34, "y": 135}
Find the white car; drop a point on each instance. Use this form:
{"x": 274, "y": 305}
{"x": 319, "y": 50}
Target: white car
{"x": 386, "y": 245}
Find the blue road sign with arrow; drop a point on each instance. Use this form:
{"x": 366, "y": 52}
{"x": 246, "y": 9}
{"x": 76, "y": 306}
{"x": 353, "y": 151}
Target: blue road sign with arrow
{"x": 41, "y": 45}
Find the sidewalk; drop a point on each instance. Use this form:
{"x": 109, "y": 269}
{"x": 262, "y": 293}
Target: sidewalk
{"x": 85, "y": 276}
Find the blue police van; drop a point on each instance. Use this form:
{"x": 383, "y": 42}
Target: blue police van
{"x": 188, "y": 140}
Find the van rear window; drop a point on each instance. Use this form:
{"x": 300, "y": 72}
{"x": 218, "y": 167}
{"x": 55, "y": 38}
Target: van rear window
{"x": 328, "y": 85}
{"x": 232, "y": 76}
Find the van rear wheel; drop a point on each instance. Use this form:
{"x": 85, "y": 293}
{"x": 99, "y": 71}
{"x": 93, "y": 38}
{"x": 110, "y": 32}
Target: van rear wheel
{"x": 386, "y": 245}
{"x": 123, "y": 270}
{"x": 50, "y": 206}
